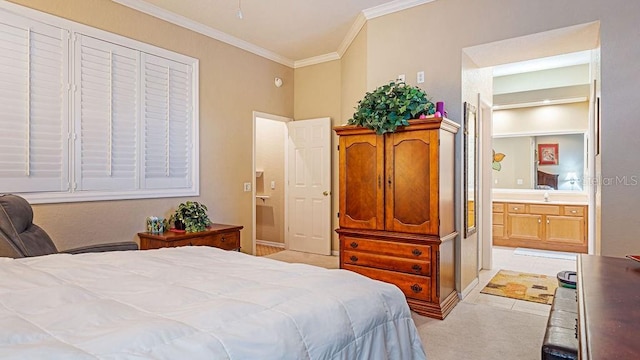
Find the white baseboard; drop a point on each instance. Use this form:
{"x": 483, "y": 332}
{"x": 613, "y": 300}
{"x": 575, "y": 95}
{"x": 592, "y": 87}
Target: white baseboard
{"x": 270, "y": 243}
{"x": 468, "y": 289}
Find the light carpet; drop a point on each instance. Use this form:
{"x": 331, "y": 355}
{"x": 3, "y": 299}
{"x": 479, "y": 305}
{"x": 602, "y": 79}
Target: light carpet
{"x": 290, "y": 256}
{"x": 470, "y": 331}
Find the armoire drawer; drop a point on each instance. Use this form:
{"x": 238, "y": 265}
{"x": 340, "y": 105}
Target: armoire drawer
{"x": 409, "y": 266}
{"x": 411, "y": 251}
{"x": 413, "y": 286}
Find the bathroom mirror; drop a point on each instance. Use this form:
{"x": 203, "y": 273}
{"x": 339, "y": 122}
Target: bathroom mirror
{"x": 470, "y": 169}
{"x": 519, "y": 165}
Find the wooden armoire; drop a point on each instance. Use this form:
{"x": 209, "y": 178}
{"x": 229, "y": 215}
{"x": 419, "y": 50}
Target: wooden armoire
{"x": 397, "y": 210}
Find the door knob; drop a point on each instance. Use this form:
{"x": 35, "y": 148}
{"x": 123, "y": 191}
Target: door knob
{"x": 325, "y": 193}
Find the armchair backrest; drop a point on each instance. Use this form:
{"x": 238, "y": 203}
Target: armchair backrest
{"x": 19, "y": 236}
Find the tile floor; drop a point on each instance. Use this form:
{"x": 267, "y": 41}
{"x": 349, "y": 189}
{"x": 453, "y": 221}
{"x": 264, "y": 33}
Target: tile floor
{"x": 263, "y": 250}
{"x": 505, "y": 259}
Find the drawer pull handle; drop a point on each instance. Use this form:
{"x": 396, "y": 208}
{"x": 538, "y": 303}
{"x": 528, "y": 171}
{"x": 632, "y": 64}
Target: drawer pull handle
{"x": 223, "y": 239}
{"x": 354, "y": 258}
{"x": 417, "y": 268}
{"x": 516, "y": 209}
{"x": 416, "y": 252}
{"x": 354, "y": 244}
{"x": 574, "y": 211}
{"x": 416, "y": 288}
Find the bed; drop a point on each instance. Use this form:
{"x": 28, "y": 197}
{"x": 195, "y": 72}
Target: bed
{"x": 197, "y": 303}
{"x": 547, "y": 181}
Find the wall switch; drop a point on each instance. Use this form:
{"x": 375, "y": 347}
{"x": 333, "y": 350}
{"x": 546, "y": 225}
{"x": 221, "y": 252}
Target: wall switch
{"x": 401, "y": 77}
{"x": 273, "y": 185}
{"x": 519, "y": 181}
{"x": 420, "y": 77}
{"x": 247, "y": 186}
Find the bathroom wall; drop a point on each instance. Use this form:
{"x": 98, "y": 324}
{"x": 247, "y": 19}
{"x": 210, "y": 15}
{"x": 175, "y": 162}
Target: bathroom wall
{"x": 270, "y": 161}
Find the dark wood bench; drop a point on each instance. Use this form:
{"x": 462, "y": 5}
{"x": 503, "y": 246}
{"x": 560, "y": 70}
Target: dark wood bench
{"x": 561, "y": 337}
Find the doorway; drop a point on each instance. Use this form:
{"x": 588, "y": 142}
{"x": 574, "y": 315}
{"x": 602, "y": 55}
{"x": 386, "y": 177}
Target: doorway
{"x": 584, "y": 37}
{"x": 292, "y": 183}
{"x": 269, "y": 182}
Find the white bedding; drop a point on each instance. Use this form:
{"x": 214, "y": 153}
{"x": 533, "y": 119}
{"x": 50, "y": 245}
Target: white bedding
{"x": 196, "y": 303}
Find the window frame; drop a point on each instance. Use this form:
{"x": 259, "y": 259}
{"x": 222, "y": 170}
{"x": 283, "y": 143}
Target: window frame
{"x": 71, "y": 154}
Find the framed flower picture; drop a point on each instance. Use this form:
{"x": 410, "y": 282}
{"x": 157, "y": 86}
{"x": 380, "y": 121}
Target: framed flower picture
{"x": 548, "y": 154}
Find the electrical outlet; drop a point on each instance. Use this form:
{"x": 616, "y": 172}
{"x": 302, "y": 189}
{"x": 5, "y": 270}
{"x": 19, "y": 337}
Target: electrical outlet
{"x": 401, "y": 77}
{"x": 247, "y": 186}
{"x": 519, "y": 181}
{"x": 420, "y": 77}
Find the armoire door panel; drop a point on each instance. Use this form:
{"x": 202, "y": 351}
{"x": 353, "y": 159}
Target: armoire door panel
{"x": 412, "y": 173}
{"x": 361, "y": 177}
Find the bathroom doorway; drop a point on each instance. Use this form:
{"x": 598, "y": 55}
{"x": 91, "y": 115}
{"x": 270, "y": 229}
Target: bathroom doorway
{"x": 270, "y": 154}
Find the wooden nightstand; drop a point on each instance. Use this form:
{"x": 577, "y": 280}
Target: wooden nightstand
{"x": 222, "y": 236}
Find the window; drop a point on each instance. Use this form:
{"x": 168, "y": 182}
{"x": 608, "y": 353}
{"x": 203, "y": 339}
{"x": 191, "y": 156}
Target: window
{"x": 89, "y": 115}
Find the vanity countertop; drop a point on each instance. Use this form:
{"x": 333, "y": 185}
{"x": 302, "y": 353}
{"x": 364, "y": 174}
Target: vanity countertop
{"x": 541, "y": 202}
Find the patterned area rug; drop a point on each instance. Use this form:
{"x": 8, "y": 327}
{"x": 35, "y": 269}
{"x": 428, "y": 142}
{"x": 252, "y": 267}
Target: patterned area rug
{"x": 522, "y": 286}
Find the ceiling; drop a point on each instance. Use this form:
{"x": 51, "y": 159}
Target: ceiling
{"x": 287, "y": 31}
{"x": 549, "y": 80}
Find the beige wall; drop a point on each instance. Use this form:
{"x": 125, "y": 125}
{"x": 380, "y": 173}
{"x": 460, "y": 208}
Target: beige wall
{"x": 270, "y": 159}
{"x": 317, "y": 94}
{"x": 233, "y": 83}
{"x": 517, "y": 164}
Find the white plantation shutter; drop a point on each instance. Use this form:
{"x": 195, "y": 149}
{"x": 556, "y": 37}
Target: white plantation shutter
{"x": 89, "y": 115}
{"x": 168, "y": 123}
{"x": 33, "y": 98}
{"x": 107, "y": 103}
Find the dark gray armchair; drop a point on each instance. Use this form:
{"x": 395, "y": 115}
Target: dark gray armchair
{"x": 20, "y": 237}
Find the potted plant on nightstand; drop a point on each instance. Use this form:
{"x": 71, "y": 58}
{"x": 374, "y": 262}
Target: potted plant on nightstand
{"x": 191, "y": 216}
{"x": 390, "y": 106}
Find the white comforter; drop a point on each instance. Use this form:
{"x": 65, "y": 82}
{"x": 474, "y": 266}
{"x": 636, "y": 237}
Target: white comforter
{"x": 196, "y": 303}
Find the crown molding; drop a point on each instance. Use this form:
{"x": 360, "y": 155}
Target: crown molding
{"x": 391, "y": 7}
{"x": 182, "y": 21}
{"x": 354, "y": 30}
{"x": 367, "y": 14}
{"x": 316, "y": 60}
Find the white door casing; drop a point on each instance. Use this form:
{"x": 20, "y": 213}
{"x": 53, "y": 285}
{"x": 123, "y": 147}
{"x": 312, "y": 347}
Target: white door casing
{"x": 309, "y": 186}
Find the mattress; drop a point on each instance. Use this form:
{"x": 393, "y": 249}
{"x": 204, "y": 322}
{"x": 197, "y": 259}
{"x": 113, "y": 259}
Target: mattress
{"x": 197, "y": 303}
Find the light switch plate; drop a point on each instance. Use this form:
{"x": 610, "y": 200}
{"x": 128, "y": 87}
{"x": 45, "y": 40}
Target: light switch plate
{"x": 247, "y": 186}
{"x": 273, "y": 185}
{"x": 420, "y": 77}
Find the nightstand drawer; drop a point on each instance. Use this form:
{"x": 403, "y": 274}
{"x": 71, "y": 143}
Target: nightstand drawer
{"x": 227, "y": 241}
{"x": 404, "y": 265}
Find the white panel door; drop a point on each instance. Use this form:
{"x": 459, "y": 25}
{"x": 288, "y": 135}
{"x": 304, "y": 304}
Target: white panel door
{"x": 309, "y": 185}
